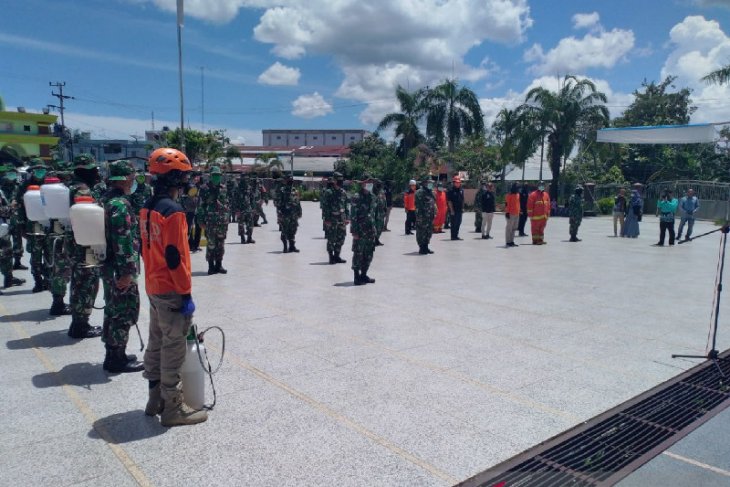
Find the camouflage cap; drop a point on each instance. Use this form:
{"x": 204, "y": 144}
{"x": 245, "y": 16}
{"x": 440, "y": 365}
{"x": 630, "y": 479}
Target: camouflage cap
{"x": 85, "y": 161}
{"x": 37, "y": 163}
{"x": 120, "y": 170}
{"x": 215, "y": 170}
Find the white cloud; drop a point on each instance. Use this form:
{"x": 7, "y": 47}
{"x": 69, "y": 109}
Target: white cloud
{"x": 586, "y": 21}
{"x": 597, "y": 49}
{"x": 699, "y": 47}
{"x": 311, "y": 106}
{"x": 278, "y": 74}
{"x": 104, "y": 127}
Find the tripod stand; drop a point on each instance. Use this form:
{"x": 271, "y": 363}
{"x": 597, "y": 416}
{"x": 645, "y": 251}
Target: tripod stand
{"x": 713, "y": 354}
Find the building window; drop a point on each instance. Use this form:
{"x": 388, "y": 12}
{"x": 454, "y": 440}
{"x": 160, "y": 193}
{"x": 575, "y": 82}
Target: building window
{"x": 26, "y": 128}
{"x": 278, "y": 137}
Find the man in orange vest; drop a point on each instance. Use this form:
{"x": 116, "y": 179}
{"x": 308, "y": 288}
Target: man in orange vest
{"x": 409, "y": 203}
{"x": 512, "y": 214}
{"x": 538, "y": 210}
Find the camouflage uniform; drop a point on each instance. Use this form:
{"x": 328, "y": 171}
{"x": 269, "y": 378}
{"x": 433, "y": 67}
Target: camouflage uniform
{"x": 478, "y": 209}
{"x": 244, "y": 204}
{"x": 213, "y": 213}
{"x": 9, "y": 189}
{"x": 232, "y": 191}
{"x": 575, "y": 213}
{"x": 58, "y": 263}
{"x": 362, "y": 228}
{"x": 335, "y": 214}
{"x": 289, "y": 211}
{"x": 425, "y": 213}
{"x": 34, "y": 233}
{"x": 263, "y": 198}
{"x": 84, "y": 279}
{"x": 139, "y": 197}
{"x": 381, "y": 208}
{"x": 7, "y": 213}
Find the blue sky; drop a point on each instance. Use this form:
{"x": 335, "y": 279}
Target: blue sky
{"x": 335, "y": 63}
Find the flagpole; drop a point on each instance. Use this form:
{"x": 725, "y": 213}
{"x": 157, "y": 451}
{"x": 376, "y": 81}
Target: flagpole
{"x": 180, "y": 19}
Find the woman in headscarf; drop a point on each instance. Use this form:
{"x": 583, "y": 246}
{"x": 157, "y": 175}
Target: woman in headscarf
{"x": 633, "y": 215}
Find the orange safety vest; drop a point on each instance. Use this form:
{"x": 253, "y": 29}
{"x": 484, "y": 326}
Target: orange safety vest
{"x": 512, "y": 204}
{"x": 538, "y": 205}
{"x": 409, "y": 200}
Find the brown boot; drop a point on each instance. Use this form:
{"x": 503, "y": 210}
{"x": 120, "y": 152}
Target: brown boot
{"x": 155, "y": 404}
{"x": 177, "y": 413}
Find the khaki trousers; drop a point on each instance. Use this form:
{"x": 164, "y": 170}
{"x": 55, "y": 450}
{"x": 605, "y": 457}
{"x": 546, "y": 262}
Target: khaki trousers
{"x": 510, "y": 228}
{"x": 167, "y": 343}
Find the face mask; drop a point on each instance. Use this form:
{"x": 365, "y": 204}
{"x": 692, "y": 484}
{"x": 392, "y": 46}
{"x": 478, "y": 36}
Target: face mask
{"x": 39, "y": 173}
{"x": 541, "y": 188}
{"x": 215, "y": 178}
{"x": 140, "y": 179}
{"x": 11, "y": 177}
{"x": 430, "y": 186}
{"x": 134, "y": 187}
{"x": 369, "y": 187}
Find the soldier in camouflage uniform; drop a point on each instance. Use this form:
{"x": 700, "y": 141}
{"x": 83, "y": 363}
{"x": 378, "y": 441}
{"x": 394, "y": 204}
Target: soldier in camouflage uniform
{"x": 7, "y": 212}
{"x": 336, "y": 216}
{"x": 244, "y": 205}
{"x": 232, "y": 190}
{"x": 288, "y": 212}
{"x": 9, "y": 188}
{"x": 56, "y": 257}
{"x": 381, "y": 208}
{"x": 263, "y": 198}
{"x": 33, "y": 232}
{"x": 121, "y": 269}
{"x": 84, "y": 278}
{"x": 362, "y": 228}
{"x": 425, "y": 213}
{"x": 213, "y": 217}
{"x": 575, "y": 213}
{"x": 478, "y": 206}
{"x": 142, "y": 192}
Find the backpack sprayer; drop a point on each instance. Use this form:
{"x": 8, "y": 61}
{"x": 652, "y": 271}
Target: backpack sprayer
{"x": 194, "y": 368}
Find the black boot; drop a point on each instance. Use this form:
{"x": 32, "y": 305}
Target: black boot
{"x": 243, "y": 239}
{"x": 338, "y": 260}
{"x": 116, "y": 361}
{"x": 211, "y": 268}
{"x": 292, "y": 248}
{"x": 286, "y": 245}
{"x": 422, "y": 250}
{"x": 40, "y": 286}
{"x": 17, "y": 266}
{"x": 250, "y": 239}
{"x": 59, "y": 308}
{"x": 378, "y": 243}
{"x": 429, "y": 251}
{"x": 365, "y": 278}
{"x": 219, "y": 267}
{"x": 80, "y": 329}
{"x": 358, "y": 279}
{"x": 332, "y": 256}
{"x": 12, "y": 281}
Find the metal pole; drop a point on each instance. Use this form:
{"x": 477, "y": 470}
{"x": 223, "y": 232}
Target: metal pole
{"x": 180, "y": 73}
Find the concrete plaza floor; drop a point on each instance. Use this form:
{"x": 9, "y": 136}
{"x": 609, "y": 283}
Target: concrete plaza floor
{"x": 447, "y": 365}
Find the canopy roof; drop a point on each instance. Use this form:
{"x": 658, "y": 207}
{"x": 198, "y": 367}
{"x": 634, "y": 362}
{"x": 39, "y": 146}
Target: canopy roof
{"x": 659, "y": 134}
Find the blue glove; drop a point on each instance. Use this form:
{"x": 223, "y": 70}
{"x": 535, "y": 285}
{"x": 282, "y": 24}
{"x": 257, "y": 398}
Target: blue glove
{"x": 188, "y": 307}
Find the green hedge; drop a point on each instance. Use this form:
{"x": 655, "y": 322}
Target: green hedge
{"x": 605, "y": 205}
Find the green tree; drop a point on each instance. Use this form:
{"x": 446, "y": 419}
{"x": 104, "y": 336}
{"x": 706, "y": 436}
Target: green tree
{"x": 569, "y": 115}
{"x": 452, "y": 112}
{"x": 720, "y": 76}
{"x": 200, "y": 147}
{"x": 412, "y": 110}
{"x": 476, "y": 157}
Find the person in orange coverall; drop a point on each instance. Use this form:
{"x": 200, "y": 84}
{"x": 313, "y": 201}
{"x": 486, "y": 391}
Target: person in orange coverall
{"x": 441, "y": 208}
{"x": 538, "y": 210}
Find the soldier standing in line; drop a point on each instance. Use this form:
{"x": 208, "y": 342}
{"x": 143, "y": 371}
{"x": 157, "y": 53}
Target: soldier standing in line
{"x": 9, "y": 188}
{"x": 35, "y": 241}
{"x": 121, "y": 269}
{"x": 213, "y": 218}
{"x": 7, "y": 212}
{"x": 363, "y": 231}
{"x": 575, "y": 213}
{"x": 336, "y": 216}
{"x": 381, "y": 209}
{"x": 289, "y": 211}
{"x": 58, "y": 265}
{"x": 141, "y": 194}
{"x": 231, "y": 189}
{"x": 263, "y": 197}
{"x": 244, "y": 205}
{"x": 478, "y": 206}
{"x": 425, "y": 213}
{"x": 84, "y": 279}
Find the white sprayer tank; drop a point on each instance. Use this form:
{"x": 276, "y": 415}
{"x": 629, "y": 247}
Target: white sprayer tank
{"x": 33, "y": 204}
{"x": 193, "y": 376}
{"x": 87, "y": 222}
{"x": 55, "y": 199}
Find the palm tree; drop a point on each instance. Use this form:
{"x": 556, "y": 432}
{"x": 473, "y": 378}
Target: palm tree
{"x": 406, "y": 121}
{"x": 719, "y": 76}
{"x": 571, "y": 114}
{"x": 452, "y": 112}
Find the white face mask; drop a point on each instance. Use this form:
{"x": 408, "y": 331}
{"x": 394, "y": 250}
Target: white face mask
{"x": 369, "y": 187}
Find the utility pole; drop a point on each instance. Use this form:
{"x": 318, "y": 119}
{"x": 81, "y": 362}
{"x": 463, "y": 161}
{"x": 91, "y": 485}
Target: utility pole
{"x": 61, "y": 97}
{"x": 202, "y": 97}
{"x": 180, "y": 21}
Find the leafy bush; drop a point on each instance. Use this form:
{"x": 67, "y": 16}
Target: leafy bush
{"x": 309, "y": 195}
{"x": 605, "y": 205}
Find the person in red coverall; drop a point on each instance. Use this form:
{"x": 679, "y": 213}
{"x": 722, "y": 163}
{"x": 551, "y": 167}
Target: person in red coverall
{"x": 168, "y": 282}
{"x": 441, "y": 208}
{"x": 538, "y": 210}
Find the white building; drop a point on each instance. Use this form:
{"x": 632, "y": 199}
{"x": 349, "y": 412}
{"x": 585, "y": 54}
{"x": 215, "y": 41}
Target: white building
{"x": 298, "y": 138}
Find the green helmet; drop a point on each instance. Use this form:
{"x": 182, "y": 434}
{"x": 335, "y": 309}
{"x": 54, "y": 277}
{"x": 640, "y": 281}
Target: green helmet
{"x": 120, "y": 170}
{"x": 37, "y": 163}
{"x": 85, "y": 161}
{"x": 216, "y": 170}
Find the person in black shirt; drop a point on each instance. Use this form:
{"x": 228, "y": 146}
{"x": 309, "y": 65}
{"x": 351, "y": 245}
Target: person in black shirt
{"x": 455, "y": 198}
{"x": 524, "y": 194}
{"x": 388, "y": 191}
{"x": 487, "y": 206}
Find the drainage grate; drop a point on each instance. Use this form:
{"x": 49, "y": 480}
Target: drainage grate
{"x": 609, "y": 447}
